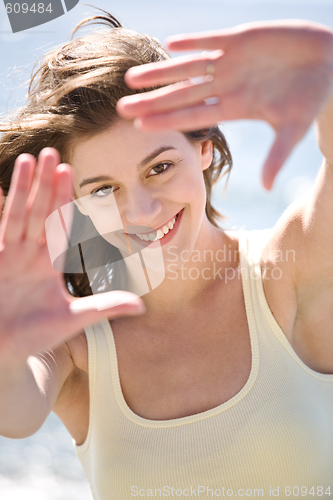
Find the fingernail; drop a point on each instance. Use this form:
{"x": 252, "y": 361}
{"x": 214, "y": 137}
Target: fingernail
{"x": 135, "y": 310}
{"x": 136, "y": 306}
{"x": 138, "y": 123}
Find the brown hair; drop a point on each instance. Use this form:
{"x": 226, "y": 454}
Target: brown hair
{"x": 73, "y": 95}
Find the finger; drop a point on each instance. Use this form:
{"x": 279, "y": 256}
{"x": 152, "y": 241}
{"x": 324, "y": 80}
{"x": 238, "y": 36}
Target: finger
{"x": 185, "y": 119}
{"x": 63, "y": 192}
{"x": 41, "y": 193}
{"x": 206, "y": 40}
{"x": 205, "y": 114}
{"x": 170, "y": 71}
{"x": 61, "y": 197}
{"x": 91, "y": 309}
{"x": 285, "y": 141}
{"x": 58, "y": 223}
{"x": 167, "y": 98}
{"x": 15, "y": 208}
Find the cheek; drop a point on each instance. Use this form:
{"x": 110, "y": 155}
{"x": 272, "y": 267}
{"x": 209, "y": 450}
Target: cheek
{"x": 105, "y": 219}
{"x": 106, "y": 224}
{"x": 191, "y": 189}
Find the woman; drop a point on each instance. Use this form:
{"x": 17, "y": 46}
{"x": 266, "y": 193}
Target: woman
{"x": 223, "y": 387}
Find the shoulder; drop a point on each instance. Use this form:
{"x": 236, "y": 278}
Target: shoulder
{"x": 66, "y": 361}
{"x": 296, "y": 294}
{"x": 77, "y": 347}
{"x": 271, "y": 248}
{"x": 75, "y": 358}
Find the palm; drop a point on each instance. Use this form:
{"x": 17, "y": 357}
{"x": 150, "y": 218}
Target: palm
{"x": 36, "y": 310}
{"x": 39, "y": 302}
{"x": 286, "y": 96}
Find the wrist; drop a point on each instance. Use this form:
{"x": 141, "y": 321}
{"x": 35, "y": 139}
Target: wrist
{"x": 12, "y": 373}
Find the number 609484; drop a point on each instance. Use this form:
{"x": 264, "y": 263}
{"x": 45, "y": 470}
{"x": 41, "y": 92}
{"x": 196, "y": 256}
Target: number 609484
{"x": 36, "y": 8}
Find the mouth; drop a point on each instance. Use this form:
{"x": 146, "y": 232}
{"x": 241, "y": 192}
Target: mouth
{"x": 158, "y": 234}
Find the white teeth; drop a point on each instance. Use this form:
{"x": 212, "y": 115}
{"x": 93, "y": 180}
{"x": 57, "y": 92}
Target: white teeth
{"x": 159, "y": 234}
{"x": 143, "y": 237}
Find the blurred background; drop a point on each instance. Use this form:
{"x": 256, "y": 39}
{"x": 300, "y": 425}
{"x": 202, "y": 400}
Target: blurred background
{"x": 44, "y": 466}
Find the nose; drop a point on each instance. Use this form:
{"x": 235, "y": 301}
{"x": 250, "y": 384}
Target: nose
{"x": 142, "y": 207}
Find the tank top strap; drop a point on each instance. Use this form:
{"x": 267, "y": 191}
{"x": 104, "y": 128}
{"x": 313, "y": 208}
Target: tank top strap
{"x": 100, "y": 375}
{"x": 251, "y": 245}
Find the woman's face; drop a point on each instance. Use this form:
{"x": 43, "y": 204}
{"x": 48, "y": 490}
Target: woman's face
{"x": 131, "y": 182}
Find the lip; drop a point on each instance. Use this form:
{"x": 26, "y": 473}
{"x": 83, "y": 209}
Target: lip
{"x": 166, "y": 238}
{"x": 152, "y": 229}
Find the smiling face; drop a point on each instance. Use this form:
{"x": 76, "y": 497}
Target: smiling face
{"x": 130, "y": 182}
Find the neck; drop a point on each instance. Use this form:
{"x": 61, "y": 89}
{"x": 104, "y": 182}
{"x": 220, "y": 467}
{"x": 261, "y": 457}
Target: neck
{"x": 188, "y": 275}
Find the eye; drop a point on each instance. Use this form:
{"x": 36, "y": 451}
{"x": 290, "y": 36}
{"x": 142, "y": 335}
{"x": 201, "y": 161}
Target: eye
{"x": 161, "y": 165}
{"x": 100, "y": 192}
{"x": 104, "y": 191}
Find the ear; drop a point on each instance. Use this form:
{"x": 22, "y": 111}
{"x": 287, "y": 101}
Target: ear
{"x": 206, "y": 154}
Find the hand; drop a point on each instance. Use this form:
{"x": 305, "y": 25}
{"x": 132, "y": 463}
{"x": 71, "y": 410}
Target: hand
{"x": 36, "y": 310}
{"x": 278, "y": 71}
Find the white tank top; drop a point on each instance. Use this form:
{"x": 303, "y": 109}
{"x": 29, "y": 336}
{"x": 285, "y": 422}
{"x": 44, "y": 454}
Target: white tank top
{"x": 274, "y": 438}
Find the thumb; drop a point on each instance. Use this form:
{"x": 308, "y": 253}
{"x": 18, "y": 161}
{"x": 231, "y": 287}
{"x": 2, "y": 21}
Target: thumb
{"x": 93, "y": 308}
{"x": 285, "y": 140}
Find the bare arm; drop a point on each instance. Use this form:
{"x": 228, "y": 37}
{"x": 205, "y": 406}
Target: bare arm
{"x": 29, "y": 391}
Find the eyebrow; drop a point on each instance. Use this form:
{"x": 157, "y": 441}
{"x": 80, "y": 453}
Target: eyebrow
{"x": 154, "y": 154}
